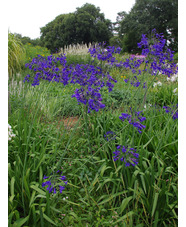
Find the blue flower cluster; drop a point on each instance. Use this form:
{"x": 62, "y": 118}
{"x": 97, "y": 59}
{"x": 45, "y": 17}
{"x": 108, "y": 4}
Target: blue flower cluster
{"x": 52, "y": 183}
{"x": 135, "y": 82}
{"x": 155, "y": 54}
{"x": 103, "y": 53}
{"x": 90, "y": 78}
{"x": 110, "y": 135}
{"x": 173, "y": 111}
{"x": 158, "y": 54}
{"x": 106, "y": 54}
{"x": 46, "y": 69}
{"x": 134, "y": 120}
{"x": 126, "y": 155}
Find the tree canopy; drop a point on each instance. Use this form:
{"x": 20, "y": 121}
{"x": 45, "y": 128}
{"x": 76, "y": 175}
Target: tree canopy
{"x": 145, "y": 16}
{"x": 85, "y": 25}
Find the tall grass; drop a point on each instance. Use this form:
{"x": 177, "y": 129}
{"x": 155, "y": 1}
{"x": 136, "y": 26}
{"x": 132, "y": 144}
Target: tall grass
{"x": 15, "y": 54}
{"x": 78, "y": 54}
{"x": 76, "y": 49}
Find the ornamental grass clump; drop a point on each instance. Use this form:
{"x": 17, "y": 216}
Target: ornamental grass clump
{"x": 16, "y": 54}
{"x": 76, "y": 49}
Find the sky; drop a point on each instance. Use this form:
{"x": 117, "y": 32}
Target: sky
{"x": 27, "y": 17}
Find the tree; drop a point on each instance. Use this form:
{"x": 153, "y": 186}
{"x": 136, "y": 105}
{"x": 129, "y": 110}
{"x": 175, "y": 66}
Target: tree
{"x": 51, "y": 35}
{"x": 85, "y": 25}
{"x": 147, "y": 15}
{"x": 91, "y": 24}
{"x": 25, "y": 39}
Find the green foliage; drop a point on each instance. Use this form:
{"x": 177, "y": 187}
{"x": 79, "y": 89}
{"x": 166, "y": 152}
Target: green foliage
{"x": 78, "y": 59}
{"x": 115, "y": 41}
{"x": 176, "y": 57}
{"x": 34, "y": 51}
{"x": 85, "y": 25}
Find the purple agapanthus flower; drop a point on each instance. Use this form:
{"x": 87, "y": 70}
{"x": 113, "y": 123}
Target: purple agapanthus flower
{"x": 53, "y": 182}
{"x": 110, "y": 135}
{"x": 126, "y": 155}
{"x": 173, "y": 111}
{"x": 134, "y": 119}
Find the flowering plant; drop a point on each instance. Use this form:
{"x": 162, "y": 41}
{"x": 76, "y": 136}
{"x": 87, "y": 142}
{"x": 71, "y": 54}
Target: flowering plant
{"x": 10, "y": 133}
{"x": 54, "y": 182}
{"x": 104, "y": 53}
{"x": 126, "y": 155}
{"x": 158, "y": 55}
{"x": 134, "y": 120}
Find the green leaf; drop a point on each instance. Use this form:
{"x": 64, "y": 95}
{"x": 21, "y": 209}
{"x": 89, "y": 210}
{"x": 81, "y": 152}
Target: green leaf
{"x": 154, "y": 203}
{"x": 72, "y": 203}
{"x": 147, "y": 142}
{"x": 54, "y": 209}
{"x": 11, "y": 198}
{"x": 103, "y": 168}
{"x": 125, "y": 203}
{"x": 143, "y": 183}
{"x": 38, "y": 190}
{"x": 48, "y": 219}
{"x": 12, "y": 186}
{"x": 26, "y": 187}
{"x": 20, "y": 221}
{"x": 156, "y": 219}
{"x": 74, "y": 215}
{"x": 130, "y": 213}
{"x": 32, "y": 198}
{"x": 111, "y": 197}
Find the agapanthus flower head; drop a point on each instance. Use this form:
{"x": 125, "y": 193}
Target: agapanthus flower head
{"x": 92, "y": 80}
{"x": 90, "y": 97}
{"x": 134, "y": 119}
{"x": 173, "y": 110}
{"x": 103, "y": 53}
{"x": 110, "y": 135}
{"x": 55, "y": 182}
{"x": 126, "y": 155}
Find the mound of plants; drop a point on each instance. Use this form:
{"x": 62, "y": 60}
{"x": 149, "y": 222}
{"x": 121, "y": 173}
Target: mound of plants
{"x": 96, "y": 144}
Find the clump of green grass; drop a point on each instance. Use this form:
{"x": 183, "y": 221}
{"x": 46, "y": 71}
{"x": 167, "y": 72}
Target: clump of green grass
{"x": 16, "y": 53}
